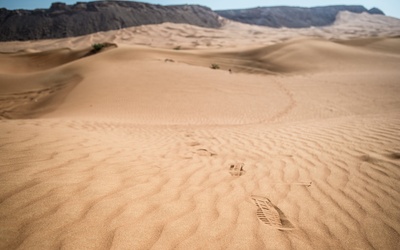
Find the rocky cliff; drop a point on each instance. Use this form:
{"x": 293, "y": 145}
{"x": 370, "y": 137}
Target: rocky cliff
{"x": 63, "y": 20}
{"x": 82, "y": 18}
{"x": 292, "y": 17}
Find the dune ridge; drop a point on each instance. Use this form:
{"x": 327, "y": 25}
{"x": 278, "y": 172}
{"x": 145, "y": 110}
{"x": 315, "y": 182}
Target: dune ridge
{"x": 133, "y": 147}
{"x": 230, "y": 35}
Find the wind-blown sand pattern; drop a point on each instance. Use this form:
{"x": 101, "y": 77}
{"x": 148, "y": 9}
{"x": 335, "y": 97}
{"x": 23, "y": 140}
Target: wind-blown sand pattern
{"x": 123, "y": 150}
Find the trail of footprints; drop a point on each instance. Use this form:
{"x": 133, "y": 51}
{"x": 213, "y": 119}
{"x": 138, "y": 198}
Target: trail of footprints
{"x": 198, "y": 149}
{"x": 267, "y": 212}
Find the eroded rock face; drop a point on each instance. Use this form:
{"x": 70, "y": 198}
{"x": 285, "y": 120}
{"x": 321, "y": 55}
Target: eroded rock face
{"x": 292, "y": 17}
{"x": 63, "y": 20}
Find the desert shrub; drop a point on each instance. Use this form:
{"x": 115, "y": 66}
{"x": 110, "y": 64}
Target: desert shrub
{"x": 177, "y": 48}
{"x": 98, "y": 46}
{"x": 214, "y": 66}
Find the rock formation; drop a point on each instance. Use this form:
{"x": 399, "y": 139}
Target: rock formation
{"x": 63, "y": 20}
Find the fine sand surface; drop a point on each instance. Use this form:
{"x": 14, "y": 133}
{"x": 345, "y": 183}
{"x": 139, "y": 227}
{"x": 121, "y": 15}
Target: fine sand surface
{"x": 145, "y": 146}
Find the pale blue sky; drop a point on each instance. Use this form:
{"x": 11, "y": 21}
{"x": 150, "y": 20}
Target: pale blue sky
{"x": 390, "y": 7}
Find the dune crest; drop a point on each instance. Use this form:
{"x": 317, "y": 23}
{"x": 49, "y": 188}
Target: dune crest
{"x": 230, "y": 35}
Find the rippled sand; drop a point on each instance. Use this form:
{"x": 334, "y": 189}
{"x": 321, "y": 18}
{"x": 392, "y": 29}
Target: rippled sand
{"x": 294, "y": 143}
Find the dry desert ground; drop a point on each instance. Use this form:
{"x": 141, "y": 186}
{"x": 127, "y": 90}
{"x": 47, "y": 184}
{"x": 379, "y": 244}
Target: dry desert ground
{"x": 294, "y": 143}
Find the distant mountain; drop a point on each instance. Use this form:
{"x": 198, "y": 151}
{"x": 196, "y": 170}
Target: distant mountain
{"x": 292, "y": 17}
{"x": 63, "y": 20}
{"x": 82, "y": 18}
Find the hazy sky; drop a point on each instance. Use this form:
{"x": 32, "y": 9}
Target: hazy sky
{"x": 390, "y": 7}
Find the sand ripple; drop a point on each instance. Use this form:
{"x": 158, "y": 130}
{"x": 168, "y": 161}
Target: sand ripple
{"x": 125, "y": 150}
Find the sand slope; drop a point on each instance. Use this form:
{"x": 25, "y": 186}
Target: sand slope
{"x": 296, "y": 148}
{"x": 231, "y": 35}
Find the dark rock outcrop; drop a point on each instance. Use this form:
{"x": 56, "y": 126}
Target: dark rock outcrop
{"x": 292, "y": 17}
{"x": 82, "y": 18}
{"x": 62, "y": 20}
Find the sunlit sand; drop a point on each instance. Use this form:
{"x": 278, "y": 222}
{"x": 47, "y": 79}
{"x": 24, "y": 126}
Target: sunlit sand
{"x": 293, "y": 143}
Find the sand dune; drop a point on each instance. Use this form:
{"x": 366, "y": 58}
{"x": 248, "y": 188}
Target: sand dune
{"x": 145, "y": 146}
{"x": 231, "y": 35}
{"x": 38, "y": 61}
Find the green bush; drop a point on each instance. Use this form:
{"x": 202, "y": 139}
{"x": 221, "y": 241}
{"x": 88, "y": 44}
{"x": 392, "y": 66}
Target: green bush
{"x": 214, "y": 66}
{"x": 98, "y": 46}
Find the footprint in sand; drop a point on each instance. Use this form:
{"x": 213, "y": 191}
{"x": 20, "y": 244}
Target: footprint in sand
{"x": 271, "y": 215}
{"x": 205, "y": 152}
{"x": 237, "y": 169}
